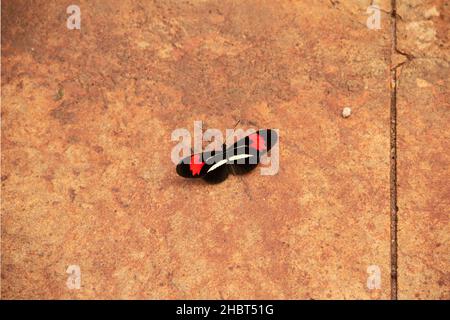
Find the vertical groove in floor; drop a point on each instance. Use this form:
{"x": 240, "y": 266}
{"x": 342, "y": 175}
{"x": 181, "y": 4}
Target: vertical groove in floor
{"x": 393, "y": 158}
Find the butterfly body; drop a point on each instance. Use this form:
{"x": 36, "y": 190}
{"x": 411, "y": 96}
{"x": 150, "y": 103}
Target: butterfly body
{"x": 242, "y": 157}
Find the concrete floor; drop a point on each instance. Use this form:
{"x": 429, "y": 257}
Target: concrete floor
{"x": 87, "y": 179}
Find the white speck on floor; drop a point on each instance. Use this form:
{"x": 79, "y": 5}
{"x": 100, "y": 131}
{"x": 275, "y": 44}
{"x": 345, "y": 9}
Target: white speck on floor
{"x": 346, "y": 112}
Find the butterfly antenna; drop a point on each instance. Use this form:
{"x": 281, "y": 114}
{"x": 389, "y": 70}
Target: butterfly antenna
{"x": 226, "y": 138}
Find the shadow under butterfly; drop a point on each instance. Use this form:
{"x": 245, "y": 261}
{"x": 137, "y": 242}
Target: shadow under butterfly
{"x": 240, "y": 158}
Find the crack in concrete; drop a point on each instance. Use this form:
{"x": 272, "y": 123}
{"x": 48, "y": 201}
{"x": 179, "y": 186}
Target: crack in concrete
{"x": 396, "y": 51}
{"x": 393, "y": 156}
{"x": 407, "y": 55}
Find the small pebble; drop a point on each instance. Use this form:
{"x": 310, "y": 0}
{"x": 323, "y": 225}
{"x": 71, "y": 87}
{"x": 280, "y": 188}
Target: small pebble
{"x": 346, "y": 112}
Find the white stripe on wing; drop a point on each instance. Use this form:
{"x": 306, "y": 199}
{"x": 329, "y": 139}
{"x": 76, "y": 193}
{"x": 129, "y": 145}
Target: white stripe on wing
{"x": 232, "y": 158}
{"x": 218, "y": 164}
{"x": 240, "y": 156}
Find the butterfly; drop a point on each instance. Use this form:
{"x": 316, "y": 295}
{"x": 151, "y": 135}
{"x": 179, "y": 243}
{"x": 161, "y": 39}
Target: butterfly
{"x": 242, "y": 157}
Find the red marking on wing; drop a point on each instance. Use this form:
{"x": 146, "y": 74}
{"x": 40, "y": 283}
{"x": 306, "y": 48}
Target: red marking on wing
{"x": 257, "y": 142}
{"x": 196, "y": 165}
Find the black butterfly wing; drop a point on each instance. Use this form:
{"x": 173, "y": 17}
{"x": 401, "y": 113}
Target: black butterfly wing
{"x": 194, "y": 166}
{"x": 246, "y": 153}
{"x": 217, "y": 175}
{"x": 211, "y": 166}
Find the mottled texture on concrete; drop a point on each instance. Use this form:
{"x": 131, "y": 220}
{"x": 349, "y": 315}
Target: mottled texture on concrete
{"x": 86, "y": 172}
{"x": 424, "y": 28}
{"x": 423, "y": 105}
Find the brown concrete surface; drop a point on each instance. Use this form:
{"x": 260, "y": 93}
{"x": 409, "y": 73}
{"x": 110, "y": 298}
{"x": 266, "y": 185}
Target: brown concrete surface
{"x": 423, "y": 150}
{"x": 87, "y": 178}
